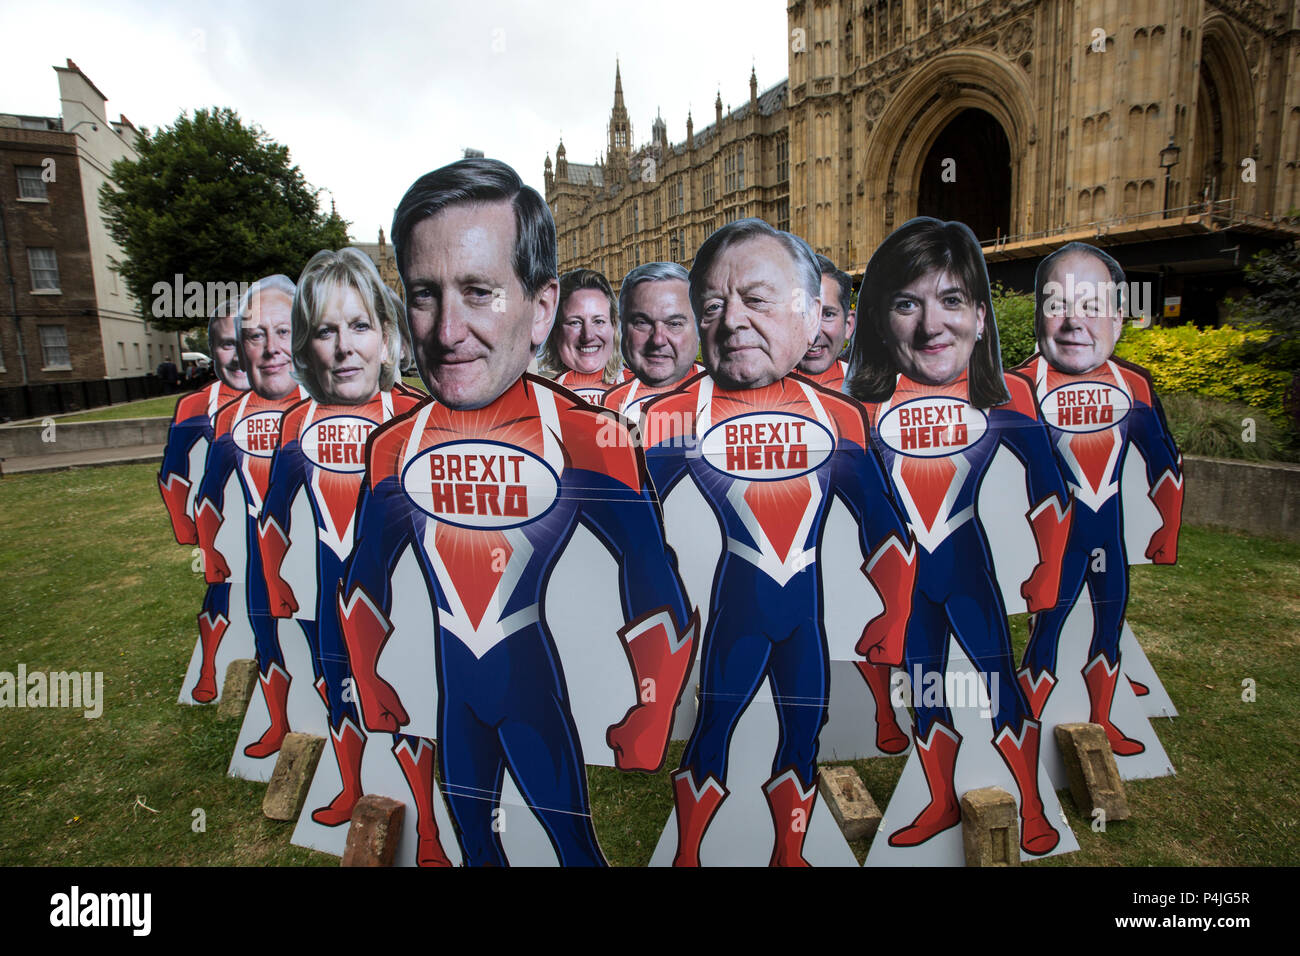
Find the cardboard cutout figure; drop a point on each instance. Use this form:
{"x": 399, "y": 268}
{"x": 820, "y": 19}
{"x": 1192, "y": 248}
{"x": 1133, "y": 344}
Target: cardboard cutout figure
{"x": 485, "y": 486}
{"x": 247, "y": 433}
{"x": 1097, "y": 407}
{"x": 822, "y": 362}
{"x": 583, "y": 351}
{"x": 188, "y": 440}
{"x": 346, "y": 343}
{"x": 926, "y": 363}
{"x": 660, "y": 338}
{"x": 768, "y": 451}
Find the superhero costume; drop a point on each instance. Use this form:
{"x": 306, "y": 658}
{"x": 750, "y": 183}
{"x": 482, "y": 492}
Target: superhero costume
{"x": 769, "y": 461}
{"x": 936, "y": 448}
{"x": 487, "y": 500}
{"x": 322, "y": 449}
{"x": 192, "y": 423}
{"x": 590, "y": 386}
{"x": 832, "y": 378}
{"x": 247, "y": 433}
{"x": 627, "y": 399}
{"x": 1094, "y": 418}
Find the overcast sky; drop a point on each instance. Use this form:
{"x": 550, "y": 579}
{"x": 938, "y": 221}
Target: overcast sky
{"x": 368, "y": 97}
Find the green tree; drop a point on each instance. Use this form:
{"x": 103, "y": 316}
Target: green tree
{"x": 215, "y": 201}
{"x": 1274, "y": 308}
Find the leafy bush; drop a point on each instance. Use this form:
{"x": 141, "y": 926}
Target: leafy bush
{"x": 1207, "y": 362}
{"x": 1015, "y": 318}
{"x": 1218, "y": 429}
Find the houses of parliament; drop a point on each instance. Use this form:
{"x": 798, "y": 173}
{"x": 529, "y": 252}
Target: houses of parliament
{"x": 1166, "y": 131}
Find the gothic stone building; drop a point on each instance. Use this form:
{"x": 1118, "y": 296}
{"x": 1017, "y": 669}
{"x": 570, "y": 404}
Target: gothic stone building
{"x": 1167, "y": 131}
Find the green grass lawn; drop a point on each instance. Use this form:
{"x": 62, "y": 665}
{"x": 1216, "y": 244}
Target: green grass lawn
{"x": 92, "y": 581}
{"x": 156, "y": 407}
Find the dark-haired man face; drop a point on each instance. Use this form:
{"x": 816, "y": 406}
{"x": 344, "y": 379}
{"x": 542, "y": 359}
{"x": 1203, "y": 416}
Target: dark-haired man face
{"x": 756, "y": 320}
{"x": 836, "y": 326}
{"x": 473, "y": 327}
{"x": 225, "y": 353}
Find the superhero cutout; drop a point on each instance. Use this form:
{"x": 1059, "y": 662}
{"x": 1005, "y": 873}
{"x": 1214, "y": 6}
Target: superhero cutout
{"x": 247, "y": 433}
{"x": 771, "y": 460}
{"x": 591, "y": 387}
{"x": 483, "y": 489}
{"x": 1097, "y": 408}
{"x": 930, "y": 314}
{"x": 768, "y": 451}
{"x": 629, "y": 398}
{"x": 346, "y": 345}
{"x": 188, "y": 439}
{"x": 832, "y": 378}
{"x": 488, "y": 499}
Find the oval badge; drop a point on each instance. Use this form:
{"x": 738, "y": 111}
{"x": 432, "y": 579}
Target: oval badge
{"x": 933, "y": 427}
{"x": 481, "y": 484}
{"x": 258, "y": 434}
{"x": 1086, "y": 407}
{"x": 590, "y": 395}
{"x": 338, "y": 443}
{"x": 767, "y": 446}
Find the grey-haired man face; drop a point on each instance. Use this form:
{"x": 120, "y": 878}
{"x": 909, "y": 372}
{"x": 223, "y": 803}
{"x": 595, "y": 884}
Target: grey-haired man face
{"x": 660, "y": 337}
{"x": 756, "y": 319}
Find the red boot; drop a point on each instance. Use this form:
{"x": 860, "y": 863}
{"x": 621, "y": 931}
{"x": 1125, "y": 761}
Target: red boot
{"x": 1036, "y": 691}
{"x": 349, "y": 745}
{"x": 791, "y": 807}
{"x": 417, "y": 767}
{"x": 938, "y": 755}
{"x": 211, "y": 631}
{"x": 695, "y": 810}
{"x": 1100, "y": 678}
{"x": 275, "y": 690}
{"x": 1037, "y": 836}
{"x": 890, "y": 738}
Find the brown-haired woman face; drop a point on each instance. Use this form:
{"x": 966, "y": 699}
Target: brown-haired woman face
{"x": 934, "y": 324}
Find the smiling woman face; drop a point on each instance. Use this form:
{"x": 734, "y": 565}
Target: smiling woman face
{"x": 586, "y": 332}
{"x": 933, "y": 325}
{"x": 346, "y": 349}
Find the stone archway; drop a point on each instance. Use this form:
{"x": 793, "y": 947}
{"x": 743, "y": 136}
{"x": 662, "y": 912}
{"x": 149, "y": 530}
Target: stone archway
{"x": 966, "y": 175}
{"x": 1224, "y": 133}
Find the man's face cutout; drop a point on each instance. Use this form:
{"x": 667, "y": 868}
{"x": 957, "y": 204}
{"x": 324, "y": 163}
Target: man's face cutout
{"x": 473, "y": 328}
{"x": 756, "y": 319}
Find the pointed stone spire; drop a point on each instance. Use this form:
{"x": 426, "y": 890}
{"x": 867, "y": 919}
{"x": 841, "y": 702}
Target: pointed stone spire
{"x": 717, "y": 108}
{"x": 753, "y": 89}
{"x": 690, "y": 131}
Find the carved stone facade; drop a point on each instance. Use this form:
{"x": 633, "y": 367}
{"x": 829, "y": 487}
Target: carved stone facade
{"x": 1139, "y": 125}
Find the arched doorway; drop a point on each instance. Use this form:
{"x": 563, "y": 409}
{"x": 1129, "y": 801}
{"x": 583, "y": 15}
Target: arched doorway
{"x": 975, "y": 186}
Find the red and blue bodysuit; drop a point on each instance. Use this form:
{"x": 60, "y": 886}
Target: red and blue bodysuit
{"x": 247, "y": 434}
{"x": 832, "y": 378}
{"x": 769, "y": 461}
{"x": 323, "y": 450}
{"x": 487, "y": 500}
{"x": 627, "y": 399}
{"x": 936, "y": 447}
{"x": 192, "y": 423}
{"x": 1094, "y": 419}
{"x": 590, "y": 386}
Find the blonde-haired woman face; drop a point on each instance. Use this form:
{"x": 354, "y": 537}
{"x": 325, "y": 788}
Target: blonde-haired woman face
{"x": 587, "y": 332}
{"x": 347, "y": 348}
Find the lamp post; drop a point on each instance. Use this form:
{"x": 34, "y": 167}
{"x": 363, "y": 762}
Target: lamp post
{"x": 1168, "y": 160}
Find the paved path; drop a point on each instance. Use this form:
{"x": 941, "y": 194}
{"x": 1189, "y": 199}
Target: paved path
{"x": 58, "y": 461}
